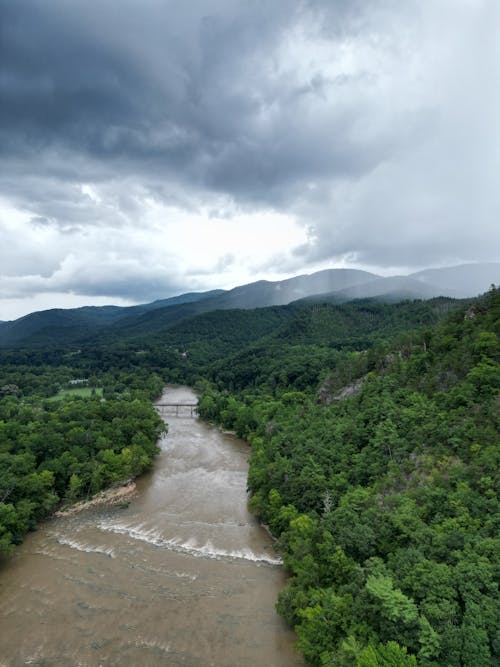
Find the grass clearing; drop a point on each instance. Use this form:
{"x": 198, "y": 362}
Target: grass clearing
{"x": 83, "y": 392}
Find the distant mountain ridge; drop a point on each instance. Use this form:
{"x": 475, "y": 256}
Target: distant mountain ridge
{"x": 86, "y": 320}
{"x": 389, "y": 290}
{"x": 67, "y": 326}
{"x": 467, "y": 280}
{"x": 72, "y": 325}
{"x": 279, "y": 293}
{"x": 457, "y": 282}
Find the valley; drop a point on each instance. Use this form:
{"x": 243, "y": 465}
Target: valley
{"x": 372, "y": 431}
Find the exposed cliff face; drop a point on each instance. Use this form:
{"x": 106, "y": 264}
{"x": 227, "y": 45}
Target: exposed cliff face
{"x": 9, "y": 389}
{"x": 327, "y": 396}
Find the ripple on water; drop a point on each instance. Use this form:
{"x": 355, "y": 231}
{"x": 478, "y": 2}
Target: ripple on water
{"x": 87, "y": 548}
{"x": 208, "y": 550}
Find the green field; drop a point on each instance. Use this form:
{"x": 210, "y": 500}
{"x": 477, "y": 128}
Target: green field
{"x": 84, "y": 392}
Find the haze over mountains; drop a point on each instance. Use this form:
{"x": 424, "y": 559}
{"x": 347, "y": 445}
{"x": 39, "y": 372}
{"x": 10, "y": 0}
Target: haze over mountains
{"x": 333, "y": 286}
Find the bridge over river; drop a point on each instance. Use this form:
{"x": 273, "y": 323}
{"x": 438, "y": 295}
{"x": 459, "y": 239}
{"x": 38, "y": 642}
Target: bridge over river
{"x": 180, "y": 408}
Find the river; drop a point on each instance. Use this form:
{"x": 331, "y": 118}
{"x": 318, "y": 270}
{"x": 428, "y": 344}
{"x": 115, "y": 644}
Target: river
{"x": 183, "y": 576}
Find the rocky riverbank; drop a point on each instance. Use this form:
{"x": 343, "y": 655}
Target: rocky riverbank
{"x": 112, "y": 496}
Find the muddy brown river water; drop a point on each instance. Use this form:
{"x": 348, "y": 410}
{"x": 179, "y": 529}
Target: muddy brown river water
{"x": 183, "y": 576}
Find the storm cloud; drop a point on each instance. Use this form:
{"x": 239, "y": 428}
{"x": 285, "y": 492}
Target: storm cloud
{"x": 150, "y": 148}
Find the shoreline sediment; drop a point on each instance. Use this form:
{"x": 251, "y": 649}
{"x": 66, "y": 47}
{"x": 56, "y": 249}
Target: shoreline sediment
{"x": 110, "y": 496}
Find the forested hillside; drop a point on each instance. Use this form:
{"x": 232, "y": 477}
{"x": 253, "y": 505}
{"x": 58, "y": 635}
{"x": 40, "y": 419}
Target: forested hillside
{"x": 314, "y": 338}
{"x": 385, "y": 504}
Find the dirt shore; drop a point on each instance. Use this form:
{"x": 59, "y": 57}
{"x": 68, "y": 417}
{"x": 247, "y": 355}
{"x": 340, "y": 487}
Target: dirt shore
{"x": 112, "y": 495}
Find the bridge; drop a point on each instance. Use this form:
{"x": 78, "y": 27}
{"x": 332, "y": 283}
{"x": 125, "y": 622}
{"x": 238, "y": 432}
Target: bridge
{"x": 192, "y": 407}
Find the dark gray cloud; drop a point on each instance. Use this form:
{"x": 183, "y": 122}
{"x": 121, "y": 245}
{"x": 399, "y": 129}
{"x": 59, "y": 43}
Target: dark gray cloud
{"x": 201, "y": 93}
{"x": 372, "y": 125}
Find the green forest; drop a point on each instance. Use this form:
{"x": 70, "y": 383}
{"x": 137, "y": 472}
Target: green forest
{"x": 55, "y": 452}
{"x": 374, "y": 442}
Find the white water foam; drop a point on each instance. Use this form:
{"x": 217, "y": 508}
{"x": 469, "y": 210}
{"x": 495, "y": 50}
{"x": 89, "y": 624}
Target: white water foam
{"x": 186, "y": 575}
{"x": 155, "y": 645}
{"x": 175, "y": 544}
{"x": 87, "y": 548}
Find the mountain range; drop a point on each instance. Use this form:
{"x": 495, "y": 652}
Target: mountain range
{"x": 329, "y": 286}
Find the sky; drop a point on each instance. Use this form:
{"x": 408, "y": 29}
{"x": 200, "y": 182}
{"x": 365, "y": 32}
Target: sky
{"x": 157, "y": 147}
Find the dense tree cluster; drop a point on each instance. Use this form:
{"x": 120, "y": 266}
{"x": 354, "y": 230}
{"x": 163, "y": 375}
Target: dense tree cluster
{"x": 63, "y": 450}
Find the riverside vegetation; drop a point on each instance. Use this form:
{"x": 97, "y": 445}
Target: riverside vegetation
{"x": 384, "y": 503}
{"x": 59, "y": 451}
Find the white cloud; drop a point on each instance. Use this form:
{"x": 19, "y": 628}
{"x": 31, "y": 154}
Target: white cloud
{"x": 163, "y": 251}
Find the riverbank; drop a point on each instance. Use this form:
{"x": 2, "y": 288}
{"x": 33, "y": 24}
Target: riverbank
{"x": 110, "y": 496}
